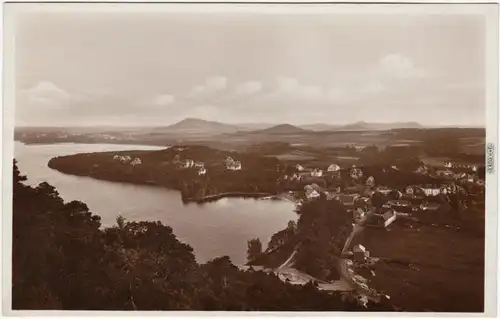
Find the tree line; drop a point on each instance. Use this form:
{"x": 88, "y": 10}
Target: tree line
{"x": 63, "y": 259}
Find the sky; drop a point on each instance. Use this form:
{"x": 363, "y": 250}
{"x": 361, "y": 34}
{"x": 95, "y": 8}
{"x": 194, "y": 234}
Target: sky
{"x": 151, "y": 69}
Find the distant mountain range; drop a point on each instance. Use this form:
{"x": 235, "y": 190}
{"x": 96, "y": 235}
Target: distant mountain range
{"x": 380, "y": 126}
{"x": 282, "y": 129}
{"x": 193, "y": 125}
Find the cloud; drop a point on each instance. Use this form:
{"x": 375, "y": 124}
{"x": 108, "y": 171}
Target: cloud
{"x": 216, "y": 83}
{"x": 163, "y": 100}
{"x": 250, "y": 87}
{"x": 373, "y": 88}
{"x": 45, "y": 94}
{"x": 401, "y": 67}
{"x": 311, "y": 92}
{"x": 287, "y": 84}
{"x": 212, "y": 84}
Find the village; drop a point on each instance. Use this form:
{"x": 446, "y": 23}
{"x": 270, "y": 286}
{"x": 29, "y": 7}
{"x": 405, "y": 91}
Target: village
{"x": 360, "y": 192}
{"x": 376, "y": 198}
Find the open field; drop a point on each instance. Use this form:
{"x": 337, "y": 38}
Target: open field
{"x": 432, "y": 268}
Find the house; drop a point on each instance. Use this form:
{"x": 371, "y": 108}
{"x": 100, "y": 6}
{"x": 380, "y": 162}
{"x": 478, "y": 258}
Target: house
{"x": 202, "y": 171}
{"x": 359, "y": 214}
{"x": 445, "y": 173}
{"x": 232, "y": 164}
{"x": 332, "y": 195}
{"x": 423, "y": 169}
{"x": 317, "y": 172}
{"x": 333, "y": 168}
{"x": 348, "y": 199}
{"x": 394, "y": 167}
{"x": 312, "y": 187}
{"x": 199, "y": 164}
{"x": 431, "y": 190}
{"x": 399, "y": 203}
{"x": 384, "y": 190}
{"x": 467, "y": 178}
{"x": 443, "y": 190}
{"x": 389, "y": 217}
{"x": 312, "y": 194}
{"x": 448, "y": 165}
{"x": 123, "y": 159}
{"x": 409, "y": 190}
{"x": 355, "y": 173}
{"x": 187, "y": 163}
{"x": 430, "y": 206}
{"x": 360, "y": 254}
{"x": 363, "y": 201}
{"x": 176, "y": 159}
{"x": 370, "y": 181}
{"x": 235, "y": 166}
{"x": 296, "y": 177}
{"x": 136, "y": 161}
{"x": 299, "y": 167}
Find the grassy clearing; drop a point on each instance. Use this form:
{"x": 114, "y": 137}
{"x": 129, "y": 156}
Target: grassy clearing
{"x": 435, "y": 268}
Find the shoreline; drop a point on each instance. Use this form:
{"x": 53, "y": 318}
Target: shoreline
{"x": 216, "y": 197}
{"x": 187, "y": 200}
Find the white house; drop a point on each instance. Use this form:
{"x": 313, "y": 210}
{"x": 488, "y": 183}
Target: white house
{"x": 355, "y": 173}
{"x": 199, "y": 164}
{"x": 423, "y": 169}
{"x": 360, "y": 253}
{"x": 389, "y": 217}
{"x": 317, "y": 172}
{"x": 409, "y": 190}
{"x": 299, "y": 167}
{"x": 136, "y": 161}
{"x": 188, "y": 163}
{"x": 312, "y": 194}
{"x": 202, "y": 171}
{"x": 448, "y": 164}
{"x": 384, "y": 190}
{"x": 123, "y": 159}
{"x": 333, "y": 168}
{"x": 431, "y": 190}
{"x": 429, "y": 206}
{"x": 176, "y": 159}
{"x": 235, "y": 166}
{"x": 232, "y": 164}
{"x": 445, "y": 173}
{"x": 370, "y": 181}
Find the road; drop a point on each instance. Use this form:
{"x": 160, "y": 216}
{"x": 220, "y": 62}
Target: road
{"x": 347, "y": 280}
{"x": 348, "y": 275}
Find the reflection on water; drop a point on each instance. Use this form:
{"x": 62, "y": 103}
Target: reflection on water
{"x": 212, "y": 229}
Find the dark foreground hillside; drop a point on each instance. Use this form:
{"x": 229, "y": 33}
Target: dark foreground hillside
{"x": 62, "y": 259}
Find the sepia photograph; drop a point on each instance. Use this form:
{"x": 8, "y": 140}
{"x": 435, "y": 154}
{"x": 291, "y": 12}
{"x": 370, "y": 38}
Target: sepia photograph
{"x": 250, "y": 157}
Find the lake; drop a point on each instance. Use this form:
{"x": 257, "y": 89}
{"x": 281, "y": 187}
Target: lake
{"x": 212, "y": 229}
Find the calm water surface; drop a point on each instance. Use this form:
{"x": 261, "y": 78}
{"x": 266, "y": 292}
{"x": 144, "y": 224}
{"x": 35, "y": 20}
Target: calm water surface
{"x": 212, "y": 229}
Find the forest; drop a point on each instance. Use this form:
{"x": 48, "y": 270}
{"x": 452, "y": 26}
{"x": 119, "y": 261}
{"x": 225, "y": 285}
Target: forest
{"x": 63, "y": 259}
